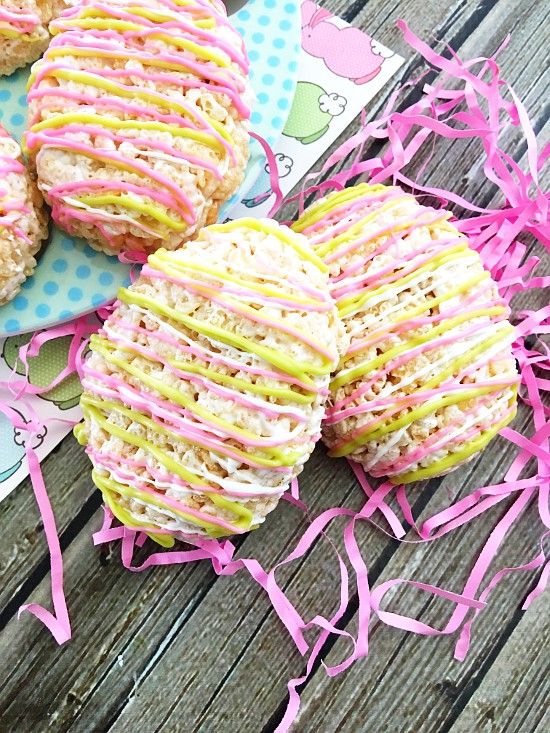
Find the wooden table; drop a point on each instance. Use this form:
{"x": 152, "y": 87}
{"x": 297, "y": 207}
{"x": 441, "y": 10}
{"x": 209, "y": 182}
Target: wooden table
{"x": 178, "y": 649}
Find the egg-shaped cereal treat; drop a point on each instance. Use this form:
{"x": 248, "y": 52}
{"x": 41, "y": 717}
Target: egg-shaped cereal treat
{"x": 24, "y": 30}
{"x": 428, "y": 378}
{"x": 205, "y": 389}
{"x": 23, "y": 224}
{"x": 138, "y": 123}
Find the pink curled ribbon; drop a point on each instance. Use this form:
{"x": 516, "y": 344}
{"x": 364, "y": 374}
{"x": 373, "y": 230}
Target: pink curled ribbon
{"x": 57, "y": 622}
{"x": 273, "y": 172}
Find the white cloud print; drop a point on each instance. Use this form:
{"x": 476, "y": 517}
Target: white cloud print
{"x": 380, "y": 50}
{"x": 333, "y": 103}
{"x": 284, "y": 164}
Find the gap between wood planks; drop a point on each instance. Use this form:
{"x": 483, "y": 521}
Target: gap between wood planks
{"x": 67, "y": 474}
{"x": 513, "y": 680}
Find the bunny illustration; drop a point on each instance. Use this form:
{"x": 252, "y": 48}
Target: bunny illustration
{"x": 347, "y": 52}
{"x": 261, "y": 190}
{"x": 12, "y": 446}
{"x": 45, "y": 367}
{"x": 312, "y": 112}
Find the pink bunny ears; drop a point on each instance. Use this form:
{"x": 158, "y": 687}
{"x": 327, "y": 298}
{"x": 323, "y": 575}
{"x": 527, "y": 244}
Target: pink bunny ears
{"x": 312, "y": 15}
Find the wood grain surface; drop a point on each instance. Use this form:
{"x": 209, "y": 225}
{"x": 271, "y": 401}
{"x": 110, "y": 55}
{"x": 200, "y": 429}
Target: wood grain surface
{"x": 178, "y": 649}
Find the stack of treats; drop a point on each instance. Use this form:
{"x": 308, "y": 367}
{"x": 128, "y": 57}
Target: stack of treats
{"x": 370, "y": 322}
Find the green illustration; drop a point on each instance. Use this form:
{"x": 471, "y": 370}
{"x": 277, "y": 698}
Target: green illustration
{"x": 12, "y": 445}
{"x": 45, "y": 367}
{"x": 312, "y": 112}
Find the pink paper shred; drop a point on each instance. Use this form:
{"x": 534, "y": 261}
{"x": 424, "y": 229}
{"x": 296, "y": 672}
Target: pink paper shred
{"x": 481, "y": 105}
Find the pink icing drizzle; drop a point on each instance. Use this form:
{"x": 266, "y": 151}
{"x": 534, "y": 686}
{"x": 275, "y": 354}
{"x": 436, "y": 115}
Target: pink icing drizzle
{"x": 16, "y": 19}
{"x": 11, "y": 209}
{"x": 366, "y": 205}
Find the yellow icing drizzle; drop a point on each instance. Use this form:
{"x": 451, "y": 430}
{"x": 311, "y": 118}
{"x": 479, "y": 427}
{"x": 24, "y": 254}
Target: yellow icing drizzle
{"x": 325, "y": 248}
{"x": 16, "y": 35}
{"x": 118, "y": 90}
{"x": 94, "y": 19}
{"x": 169, "y": 463}
{"x": 103, "y": 347}
{"x": 466, "y": 358}
{"x": 242, "y": 309}
{"x": 159, "y": 17}
{"x": 409, "y": 315}
{"x": 92, "y": 407}
{"x": 53, "y": 53}
{"x": 455, "y": 366}
{"x": 133, "y": 202}
{"x": 107, "y": 488}
{"x": 258, "y": 225}
{"x": 100, "y": 24}
{"x": 352, "y": 303}
{"x": 242, "y": 385}
{"x": 114, "y": 123}
{"x": 350, "y": 375}
{"x": 285, "y": 363}
{"x": 444, "y": 464}
{"x": 412, "y": 416}
{"x": 161, "y": 260}
{"x": 79, "y": 432}
{"x": 112, "y": 486}
{"x": 442, "y": 222}
{"x": 318, "y": 211}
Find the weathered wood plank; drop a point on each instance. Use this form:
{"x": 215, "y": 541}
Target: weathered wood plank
{"x": 23, "y": 551}
{"x": 221, "y": 633}
{"x": 514, "y": 694}
{"x": 270, "y": 659}
{"x": 412, "y": 683}
{"x": 122, "y": 621}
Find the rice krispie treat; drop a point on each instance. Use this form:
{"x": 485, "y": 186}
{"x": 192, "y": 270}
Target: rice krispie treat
{"x": 24, "y": 30}
{"x": 23, "y": 224}
{"x": 138, "y": 120}
{"x": 428, "y": 378}
{"x": 204, "y": 391}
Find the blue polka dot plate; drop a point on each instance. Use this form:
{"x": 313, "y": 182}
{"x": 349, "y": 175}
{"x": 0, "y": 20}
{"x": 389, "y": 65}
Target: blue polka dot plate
{"x": 71, "y": 278}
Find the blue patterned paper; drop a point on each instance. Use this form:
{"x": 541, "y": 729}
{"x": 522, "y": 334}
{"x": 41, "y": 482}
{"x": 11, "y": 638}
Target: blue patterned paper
{"x": 71, "y": 278}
